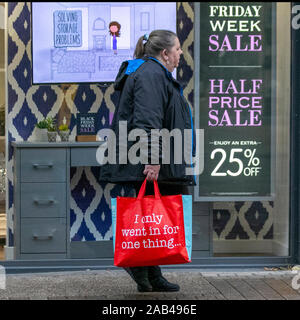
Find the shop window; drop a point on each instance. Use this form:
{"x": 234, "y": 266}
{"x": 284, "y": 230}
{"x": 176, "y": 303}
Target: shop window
{"x": 245, "y": 113}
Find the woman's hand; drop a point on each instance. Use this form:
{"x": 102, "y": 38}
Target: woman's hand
{"x": 151, "y": 172}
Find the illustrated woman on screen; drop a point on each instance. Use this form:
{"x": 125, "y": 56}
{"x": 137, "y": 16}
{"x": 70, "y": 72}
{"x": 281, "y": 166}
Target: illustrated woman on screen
{"x": 114, "y": 30}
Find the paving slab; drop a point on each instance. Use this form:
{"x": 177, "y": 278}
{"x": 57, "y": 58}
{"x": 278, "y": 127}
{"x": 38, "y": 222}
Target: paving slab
{"x": 286, "y": 291}
{"x": 245, "y": 290}
{"x": 225, "y": 289}
{"x": 117, "y": 285}
{"x": 264, "y": 289}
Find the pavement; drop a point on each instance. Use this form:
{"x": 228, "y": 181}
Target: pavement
{"x": 116, "y": 284}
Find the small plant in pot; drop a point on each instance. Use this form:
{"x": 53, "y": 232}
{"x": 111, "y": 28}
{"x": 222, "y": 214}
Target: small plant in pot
{"x": 51, "y": 127}
{"x": 41, "y": 130}
{"x": 64, "y": 132}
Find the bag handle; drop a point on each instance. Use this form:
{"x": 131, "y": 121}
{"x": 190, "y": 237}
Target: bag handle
{"x": 143, "y": 190}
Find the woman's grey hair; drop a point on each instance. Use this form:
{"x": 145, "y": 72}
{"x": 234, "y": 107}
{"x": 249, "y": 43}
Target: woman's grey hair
{"x": 158, "y": 40}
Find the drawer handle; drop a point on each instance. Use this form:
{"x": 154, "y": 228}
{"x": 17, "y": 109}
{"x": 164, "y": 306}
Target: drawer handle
{"x": 44, "y": 202}
{"x": 36, "y": 237}
{"x": 41, "y": 166}
{"x": 47, "y": 237}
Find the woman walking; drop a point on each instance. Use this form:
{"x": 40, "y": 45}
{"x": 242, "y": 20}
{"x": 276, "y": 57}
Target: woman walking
{"x": 150, "y": 98}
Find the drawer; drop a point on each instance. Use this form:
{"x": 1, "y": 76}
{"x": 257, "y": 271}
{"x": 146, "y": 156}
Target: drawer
{"x": 40, "y": 200}
{"x": 201, "y": 233}
{"x": 43, "y": 165}
{"x": 43, "y": 235}
{"x": 84, "y": 157}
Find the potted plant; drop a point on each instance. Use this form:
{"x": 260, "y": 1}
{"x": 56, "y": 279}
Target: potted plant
{"x": 51, "y": 127}
{"x": 41, "y": 131}
{"x": 63, "y": 131}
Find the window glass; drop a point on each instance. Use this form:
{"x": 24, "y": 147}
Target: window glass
{"x": 245, "y": 113}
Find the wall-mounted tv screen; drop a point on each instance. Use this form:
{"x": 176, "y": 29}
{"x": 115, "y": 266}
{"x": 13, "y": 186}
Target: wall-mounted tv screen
{"x": 87, "y": 41}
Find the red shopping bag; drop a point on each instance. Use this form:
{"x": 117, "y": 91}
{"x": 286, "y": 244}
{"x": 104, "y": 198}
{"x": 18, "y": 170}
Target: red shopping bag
{"x": 149, "y": 230}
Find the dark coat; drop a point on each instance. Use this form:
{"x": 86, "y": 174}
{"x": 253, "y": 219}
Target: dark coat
{"x": 150, "y": 98}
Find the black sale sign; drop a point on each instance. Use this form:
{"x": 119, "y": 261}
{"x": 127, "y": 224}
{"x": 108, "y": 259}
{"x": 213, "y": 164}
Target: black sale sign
{"x": 235, "y": 99}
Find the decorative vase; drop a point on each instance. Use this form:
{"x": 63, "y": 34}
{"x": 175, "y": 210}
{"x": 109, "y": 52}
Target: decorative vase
{"x": 64, "y": 135}
{"x": 52, "y": 136}
{"x": 40, "y": 135}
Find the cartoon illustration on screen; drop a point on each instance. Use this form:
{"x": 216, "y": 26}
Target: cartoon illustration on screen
{"x": 84, "y": 41}
{"x": 114, "y": 30}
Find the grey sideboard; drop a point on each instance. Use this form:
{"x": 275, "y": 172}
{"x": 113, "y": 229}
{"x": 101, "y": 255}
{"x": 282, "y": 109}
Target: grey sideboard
{"x": 42, "y": 196}
{"x": 42, "y": 204}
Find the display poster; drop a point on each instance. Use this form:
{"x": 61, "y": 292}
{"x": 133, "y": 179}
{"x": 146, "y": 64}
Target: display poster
{"x": 86, "y": 42}
{"x": 235, "y": 99}
{"x": 87, "y": 123}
